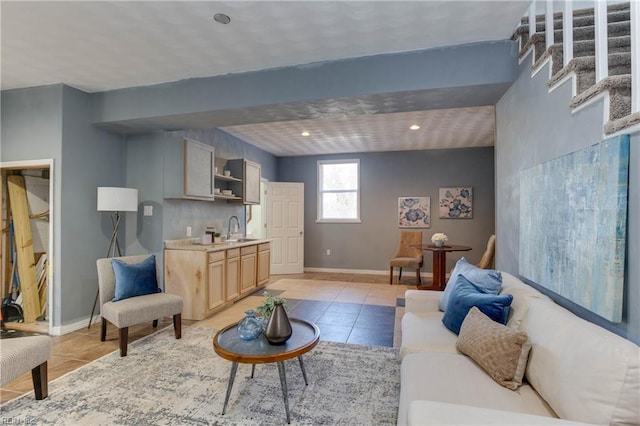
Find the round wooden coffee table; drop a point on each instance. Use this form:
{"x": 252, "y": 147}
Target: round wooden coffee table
{"x": 228, "y": 345}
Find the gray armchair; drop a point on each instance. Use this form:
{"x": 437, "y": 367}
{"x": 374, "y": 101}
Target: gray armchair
{"x": 134, "y": 310}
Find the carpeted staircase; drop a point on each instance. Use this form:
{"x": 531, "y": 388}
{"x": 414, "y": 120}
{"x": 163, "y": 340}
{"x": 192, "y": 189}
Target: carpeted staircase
{"x": 583, "y": 64}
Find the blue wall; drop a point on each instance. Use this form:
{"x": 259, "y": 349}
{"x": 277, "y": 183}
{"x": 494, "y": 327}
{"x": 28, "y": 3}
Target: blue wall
{"x": 385, "y": 176}
{"x": 533, "y": 127}
{"x": 53, "y": 122}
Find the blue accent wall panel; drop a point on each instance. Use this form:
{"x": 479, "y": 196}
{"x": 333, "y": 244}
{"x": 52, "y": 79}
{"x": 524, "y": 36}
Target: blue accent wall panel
{"x": 573, "y": 216}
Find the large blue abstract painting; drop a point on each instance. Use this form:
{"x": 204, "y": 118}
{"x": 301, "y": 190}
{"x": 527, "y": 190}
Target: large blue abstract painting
{"x": 573, "y": 215}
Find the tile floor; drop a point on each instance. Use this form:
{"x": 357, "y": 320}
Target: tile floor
{"x": 351, "y": 308}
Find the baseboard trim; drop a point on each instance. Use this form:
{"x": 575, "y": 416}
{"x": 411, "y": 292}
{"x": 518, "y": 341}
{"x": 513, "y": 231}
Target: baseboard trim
{"x": 69, "y": 328}
{"x": 364, "y": 271}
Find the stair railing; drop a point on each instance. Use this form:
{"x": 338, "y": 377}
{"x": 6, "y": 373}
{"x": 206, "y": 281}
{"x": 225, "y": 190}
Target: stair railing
{"x": 567, "y": 32}
{"x": 635, "y": 57}
{"x": 532, "y": 19}
{"x": 601, "y": 40}
{"x": 548, "y": 24}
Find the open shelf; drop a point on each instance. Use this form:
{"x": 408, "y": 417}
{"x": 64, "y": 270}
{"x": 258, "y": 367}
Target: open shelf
{"x": 227, "y": 197}
{"x": 227, "y": 178}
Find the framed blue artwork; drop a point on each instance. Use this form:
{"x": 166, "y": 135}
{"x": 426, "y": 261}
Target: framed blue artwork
{"x": 456, "y": 203}
{"x": 414, "y": 212}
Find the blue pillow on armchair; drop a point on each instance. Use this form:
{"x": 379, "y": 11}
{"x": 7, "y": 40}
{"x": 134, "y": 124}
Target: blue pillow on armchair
{"x": 466, "y": 295}
{"x": 489, "y": 280}
{"x": 135, "y": 279}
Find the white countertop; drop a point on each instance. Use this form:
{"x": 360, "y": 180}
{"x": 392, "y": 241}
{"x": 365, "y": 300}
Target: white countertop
{"x": 193, "y": 244}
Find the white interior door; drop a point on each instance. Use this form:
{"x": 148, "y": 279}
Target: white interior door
{"x": 285, "y": 226}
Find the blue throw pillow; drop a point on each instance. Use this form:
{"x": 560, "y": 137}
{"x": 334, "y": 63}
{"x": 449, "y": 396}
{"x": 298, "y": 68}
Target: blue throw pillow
{"x": 135, "y": 279}
{"x": 466, "y": 295}
{"x": 489, "y": 280}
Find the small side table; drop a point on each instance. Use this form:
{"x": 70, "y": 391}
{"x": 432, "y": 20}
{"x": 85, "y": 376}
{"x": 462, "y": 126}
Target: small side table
{"x": 230, "y": 346}
{"x": 439, "y": 263}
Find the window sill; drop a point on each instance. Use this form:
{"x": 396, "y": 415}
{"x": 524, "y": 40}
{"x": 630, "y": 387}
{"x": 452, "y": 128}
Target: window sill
{"x": 338, "y": 221}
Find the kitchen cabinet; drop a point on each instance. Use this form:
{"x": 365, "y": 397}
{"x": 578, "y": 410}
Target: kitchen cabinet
{"x": 197, "y": 277}
{"x": 264, "y": 263}
{"x": 188, "y": 170}
{"x": 223, "y": 183}
{"x": 186, "y": 274}
{"x": 248, "y": 269}
{"x": 249, "y": 187}
{"x": 216, "y": 280}
{"x": 232, "y": 285}
{"x": 209, "y": 278}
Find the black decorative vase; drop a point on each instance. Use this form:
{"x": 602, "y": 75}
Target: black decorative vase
{"x": 279, "y": 328}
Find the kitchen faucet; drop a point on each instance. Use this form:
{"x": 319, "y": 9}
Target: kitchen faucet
{"x": 229, "y": 229}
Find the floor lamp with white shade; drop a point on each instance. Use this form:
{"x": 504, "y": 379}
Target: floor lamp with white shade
{"x": 115, "y": 200}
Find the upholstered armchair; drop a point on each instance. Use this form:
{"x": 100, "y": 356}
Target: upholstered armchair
{"x": 407, "y": 256}
{"x": 121, "y": 305}
{"x": 21, "y": 354}
{"x": 487, "y": 258}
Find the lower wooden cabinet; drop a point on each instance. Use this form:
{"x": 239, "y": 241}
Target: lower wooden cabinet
{"x": 264, "y": 263}
{"x": 216, "y": 280}
{"x": 209, "y": 281}
{"x": 248, "y": 269}
{"x": 232, "y": 286}
{"x": 186, "y": 275}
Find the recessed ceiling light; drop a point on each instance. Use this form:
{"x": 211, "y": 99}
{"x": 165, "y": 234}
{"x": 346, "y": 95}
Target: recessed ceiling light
{"x": 221, "y": 18}
{"x": 414, "y": 127}
{"x": 305, "y": 133}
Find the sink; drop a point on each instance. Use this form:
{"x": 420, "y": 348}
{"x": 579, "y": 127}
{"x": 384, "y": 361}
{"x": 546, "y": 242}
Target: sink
{"x": 242, "y": 240}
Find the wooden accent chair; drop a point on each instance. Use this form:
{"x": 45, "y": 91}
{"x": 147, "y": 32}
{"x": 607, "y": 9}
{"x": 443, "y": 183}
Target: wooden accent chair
{"x": 134, "y": 310}
{"x": 486, "y": 262}
{"x": 21, "y": 354}
{"x": 407, "y": 256}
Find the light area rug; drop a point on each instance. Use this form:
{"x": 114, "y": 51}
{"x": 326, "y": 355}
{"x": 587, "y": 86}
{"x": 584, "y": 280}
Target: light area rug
{"x": 164, "y": 381}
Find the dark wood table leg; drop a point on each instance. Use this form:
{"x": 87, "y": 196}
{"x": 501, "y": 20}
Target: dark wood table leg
{"x": 439, "y": 266}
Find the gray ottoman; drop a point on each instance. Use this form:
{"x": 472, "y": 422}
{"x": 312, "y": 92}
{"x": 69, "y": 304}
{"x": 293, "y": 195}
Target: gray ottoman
{"x": 21, "y": 354}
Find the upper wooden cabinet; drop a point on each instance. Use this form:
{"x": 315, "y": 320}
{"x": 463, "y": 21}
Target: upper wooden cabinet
{"x": 188, "y": 170}
{"x": 198, "y": 169}
{"x": 249, "y": 188}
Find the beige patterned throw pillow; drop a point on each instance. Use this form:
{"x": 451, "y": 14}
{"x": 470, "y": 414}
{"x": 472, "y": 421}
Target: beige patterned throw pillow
{"x": 502, "y": 352}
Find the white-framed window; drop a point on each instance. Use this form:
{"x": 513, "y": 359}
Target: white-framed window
{"x": 339, "y": 191}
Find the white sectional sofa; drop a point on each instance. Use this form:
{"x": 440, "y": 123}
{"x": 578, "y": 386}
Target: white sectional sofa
{"x": 577, "y": 372}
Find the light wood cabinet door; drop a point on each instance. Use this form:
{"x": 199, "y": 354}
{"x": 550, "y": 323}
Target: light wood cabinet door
{"x": 247, "y": 272}
{"x": 215, "y": 289}
{"x": 248, "y": 188}
{"x": 264, "y": 264}
{"x": 233, "y": 278}
{"x": 251, "y": 182}
{"x": 198, "y": 169}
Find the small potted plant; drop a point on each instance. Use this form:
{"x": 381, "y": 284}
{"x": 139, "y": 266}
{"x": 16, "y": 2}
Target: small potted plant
{"x": 268, "y": 305}
{"x": 216, "y": 237}
{"x": 438, "y": 239}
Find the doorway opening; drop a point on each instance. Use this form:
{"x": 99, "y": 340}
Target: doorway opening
{"x": 256, "y": 215}
{"x": 26, "y": 243}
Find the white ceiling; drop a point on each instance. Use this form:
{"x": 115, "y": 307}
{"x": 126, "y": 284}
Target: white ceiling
{"x": 98, "y": 46}
{"x": 440, "y": 128}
